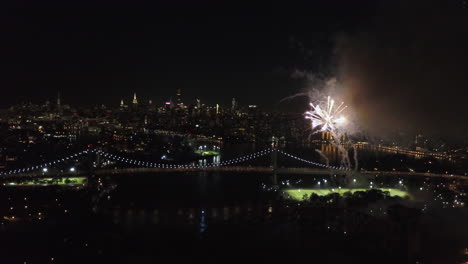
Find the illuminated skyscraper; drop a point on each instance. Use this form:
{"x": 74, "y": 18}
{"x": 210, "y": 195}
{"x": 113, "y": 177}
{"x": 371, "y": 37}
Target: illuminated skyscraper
{"x": 58, "y": 100}
{"x": 59, "y": 106}
{"x": 178, "y": 98}
{"x": 234, "y": 105}
{"x": 135, "y": 101}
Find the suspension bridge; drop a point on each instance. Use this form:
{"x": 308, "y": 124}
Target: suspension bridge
{"x": 239, "y": 164}
{"x": 140, "y": 166}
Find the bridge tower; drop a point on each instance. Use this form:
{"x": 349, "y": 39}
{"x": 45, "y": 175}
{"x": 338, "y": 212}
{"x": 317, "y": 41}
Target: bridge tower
{"x": 89, "y": 161}
{"x": 92, "y": 162}
{"x": 274, "y": 165}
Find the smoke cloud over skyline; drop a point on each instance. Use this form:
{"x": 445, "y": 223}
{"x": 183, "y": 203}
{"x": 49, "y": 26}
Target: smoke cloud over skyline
{"x": 408, "y": 70}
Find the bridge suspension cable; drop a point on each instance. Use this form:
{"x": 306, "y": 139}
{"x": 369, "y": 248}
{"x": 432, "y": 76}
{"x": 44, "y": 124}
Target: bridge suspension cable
{"x": 44, "y": 165}
{"x": 313, "y": 163}
{"x": 184, "y": 166}
{"x": 142, "y": 163}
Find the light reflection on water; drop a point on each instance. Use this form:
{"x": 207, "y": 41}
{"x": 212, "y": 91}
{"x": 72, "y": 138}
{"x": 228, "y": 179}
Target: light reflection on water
{"x": 196, "y": 217}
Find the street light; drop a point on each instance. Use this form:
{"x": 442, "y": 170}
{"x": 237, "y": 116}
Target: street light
{"x": 44, "y": 170}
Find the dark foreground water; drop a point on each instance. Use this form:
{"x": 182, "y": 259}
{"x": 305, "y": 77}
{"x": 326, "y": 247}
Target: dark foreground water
{"x": 233, "y": 217}
{"x": 223, "y": 217}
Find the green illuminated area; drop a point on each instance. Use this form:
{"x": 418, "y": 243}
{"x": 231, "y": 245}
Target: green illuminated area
{"x": 298, "y": 194}
{"x": 207, "y": 152}
{"x": 50, "y": 181}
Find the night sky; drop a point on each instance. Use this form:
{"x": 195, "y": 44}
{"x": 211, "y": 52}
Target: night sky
{"x": 99, "y": 54}
{"x": 398, "y": 61}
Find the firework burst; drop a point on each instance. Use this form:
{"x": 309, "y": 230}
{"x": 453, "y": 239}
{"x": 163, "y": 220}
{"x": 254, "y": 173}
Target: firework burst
{"x": 326, "y": 117}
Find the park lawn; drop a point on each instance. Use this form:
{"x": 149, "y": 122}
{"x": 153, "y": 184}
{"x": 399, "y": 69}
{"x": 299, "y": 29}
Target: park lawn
{"x": 207, "y": 152}
{"x": 50, "y": 181}
{"x": 298, "y": 194}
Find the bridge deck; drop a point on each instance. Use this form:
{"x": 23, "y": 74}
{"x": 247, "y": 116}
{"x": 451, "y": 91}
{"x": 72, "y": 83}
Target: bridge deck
{"x": 255, "y": 169}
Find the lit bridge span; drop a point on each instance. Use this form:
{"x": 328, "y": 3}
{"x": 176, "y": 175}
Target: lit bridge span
{"x": 232, "y": 165}
{"x": 280, "y": 170}
{"x": 228, "y": 164}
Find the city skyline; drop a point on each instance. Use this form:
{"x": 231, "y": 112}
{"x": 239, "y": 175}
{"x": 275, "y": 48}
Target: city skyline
{"x": 134, "y": 99}
{"x": 327, "y": 131}
{"x": 253, "y": 53}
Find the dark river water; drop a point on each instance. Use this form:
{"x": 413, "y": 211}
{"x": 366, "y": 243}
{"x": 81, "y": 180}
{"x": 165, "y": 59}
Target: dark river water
{"x": 208, "y": 189}
{"x": 221, "y": 216}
